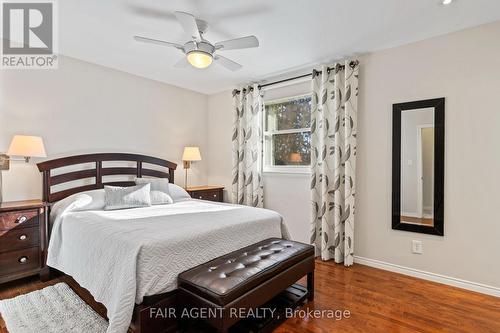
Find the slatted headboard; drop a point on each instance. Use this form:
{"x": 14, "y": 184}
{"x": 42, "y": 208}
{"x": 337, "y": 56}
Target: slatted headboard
{"x": 98, "y": 172}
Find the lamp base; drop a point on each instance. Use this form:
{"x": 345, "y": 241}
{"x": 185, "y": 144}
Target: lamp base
{"x": 4, "y": 162}
{"x": 187, "y": 165}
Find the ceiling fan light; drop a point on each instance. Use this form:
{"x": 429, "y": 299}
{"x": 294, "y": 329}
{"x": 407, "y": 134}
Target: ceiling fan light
{"x": 199, "y": 59}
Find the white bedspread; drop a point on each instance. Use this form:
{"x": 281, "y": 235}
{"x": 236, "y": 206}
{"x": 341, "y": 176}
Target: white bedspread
{"x": 122, "y": 256}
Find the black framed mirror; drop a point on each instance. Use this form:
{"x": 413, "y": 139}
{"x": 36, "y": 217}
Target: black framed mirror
{"x": 418, "y": 166}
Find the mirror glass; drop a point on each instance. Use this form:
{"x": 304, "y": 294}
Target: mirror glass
{"x": 417, "y": 167}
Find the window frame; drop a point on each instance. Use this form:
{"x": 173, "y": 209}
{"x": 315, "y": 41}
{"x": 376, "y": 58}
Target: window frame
{"x": 296, "y": 169}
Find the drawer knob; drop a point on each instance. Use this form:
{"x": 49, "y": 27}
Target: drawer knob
{"x": 200, "y": 197}
{"x": 215, "y": 195}
{"x": 23, "y": 237}
{"x": 23, "y": 260}
{"x": 21, "y": 219}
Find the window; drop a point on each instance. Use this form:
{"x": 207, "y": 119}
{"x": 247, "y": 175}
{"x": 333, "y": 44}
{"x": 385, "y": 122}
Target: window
{"x": 287, "y": 134}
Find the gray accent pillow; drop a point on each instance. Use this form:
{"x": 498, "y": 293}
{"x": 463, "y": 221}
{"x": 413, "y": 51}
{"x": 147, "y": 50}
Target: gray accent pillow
{"x": 177, "y": 193}
{"x": 160, "y": 194}
{"x": 127, "y": 197}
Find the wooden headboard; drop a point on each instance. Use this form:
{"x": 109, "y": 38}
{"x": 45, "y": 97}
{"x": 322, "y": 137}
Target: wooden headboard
{"x": 139, "y": 170}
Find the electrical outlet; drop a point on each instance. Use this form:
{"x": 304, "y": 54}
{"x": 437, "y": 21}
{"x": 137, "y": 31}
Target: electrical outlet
{"x": 417, "y": 247}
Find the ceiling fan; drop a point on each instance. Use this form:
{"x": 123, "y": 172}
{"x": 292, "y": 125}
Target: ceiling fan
{"x": 200, "y": 52}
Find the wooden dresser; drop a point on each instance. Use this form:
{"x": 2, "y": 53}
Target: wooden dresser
{"x": 23, "y": 239}
{"x": 211, "y": 193}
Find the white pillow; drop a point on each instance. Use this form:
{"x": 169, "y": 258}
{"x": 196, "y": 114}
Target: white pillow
{"x": 178, "y": 193}
{"x": 127, "y": 197}
{"x": 88, "y": 200}
{"x": 160, "y": 194}
{"x": 91, "y": 200}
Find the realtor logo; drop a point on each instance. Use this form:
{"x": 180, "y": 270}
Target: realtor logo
{"x": 28, "y": 32}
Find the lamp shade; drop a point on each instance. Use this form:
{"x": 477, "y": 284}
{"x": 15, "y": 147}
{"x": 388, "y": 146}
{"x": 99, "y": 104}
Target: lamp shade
{"x": 27, "y": 146}
{"x": 191, "y": 154}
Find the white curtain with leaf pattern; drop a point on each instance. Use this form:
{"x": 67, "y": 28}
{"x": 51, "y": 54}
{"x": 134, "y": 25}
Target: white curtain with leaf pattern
{"x": 333, "y": 160}
{"x": 247, "y": 187}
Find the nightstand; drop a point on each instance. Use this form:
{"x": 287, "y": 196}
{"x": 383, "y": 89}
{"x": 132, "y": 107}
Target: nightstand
{"x": 211, "y": 193}
{"x": 23, "y": 239}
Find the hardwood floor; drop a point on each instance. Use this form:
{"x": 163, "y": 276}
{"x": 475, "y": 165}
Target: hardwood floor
{"x": 378, "y": 301}
{"x": 418, "y": 220}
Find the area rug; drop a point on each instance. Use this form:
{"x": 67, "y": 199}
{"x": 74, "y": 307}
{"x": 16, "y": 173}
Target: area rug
{"x": 54, "y": 309}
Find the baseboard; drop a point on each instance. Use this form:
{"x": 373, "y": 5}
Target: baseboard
{"x": 451, "y": 281}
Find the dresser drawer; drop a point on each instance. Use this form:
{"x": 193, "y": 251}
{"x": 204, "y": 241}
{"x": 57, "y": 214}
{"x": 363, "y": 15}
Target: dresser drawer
{"x": 19, "y": 238}
{"x": 20, "y": 219}
{"x": 208, "y": 195}
{"x": 19, "y": 261}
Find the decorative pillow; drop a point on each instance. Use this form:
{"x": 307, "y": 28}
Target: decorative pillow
{"x": 88, "y": 200}
{"x": 127, "y": 197}
{"x": 178, "y": 193}
{"x": 160, "y": 198}
{"x": 160, "y": 194}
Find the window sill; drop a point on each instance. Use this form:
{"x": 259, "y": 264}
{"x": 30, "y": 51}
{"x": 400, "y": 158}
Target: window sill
{"x": 288, "y": 170}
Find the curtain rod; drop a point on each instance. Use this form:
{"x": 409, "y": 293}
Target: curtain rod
{"x": 314, "y": 73}
{"x": 284, "y": 80}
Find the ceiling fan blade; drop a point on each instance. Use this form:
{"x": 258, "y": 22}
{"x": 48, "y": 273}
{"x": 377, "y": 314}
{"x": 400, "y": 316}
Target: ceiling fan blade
{"x": 188, "y": 23}
{"x": 228, "y": 63}
{"x": 238, "y": 43}
{"x": 157, "y": 41}
{"x": 181, "y": 63}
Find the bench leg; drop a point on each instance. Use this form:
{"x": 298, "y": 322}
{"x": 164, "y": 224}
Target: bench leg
{"x": 310, "y": 285}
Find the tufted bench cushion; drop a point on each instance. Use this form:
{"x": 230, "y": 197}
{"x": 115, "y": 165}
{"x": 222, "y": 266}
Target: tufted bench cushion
{"x": 226, "y": 278}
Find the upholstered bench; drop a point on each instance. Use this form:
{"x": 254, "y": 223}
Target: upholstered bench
{"x": 245, "y": 279}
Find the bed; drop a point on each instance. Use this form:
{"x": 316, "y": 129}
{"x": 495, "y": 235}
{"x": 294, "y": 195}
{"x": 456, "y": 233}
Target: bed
{"x": 129, "y": 259}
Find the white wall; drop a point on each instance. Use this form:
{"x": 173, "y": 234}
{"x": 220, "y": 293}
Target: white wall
{"x": 82, "y": 107}
{"x": 220, "y": 124}
{"x": 464, "y": 67}
{"x": 427, "y": 138}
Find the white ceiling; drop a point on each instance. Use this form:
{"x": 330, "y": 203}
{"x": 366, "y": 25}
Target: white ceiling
{"x": 293, "y": 34}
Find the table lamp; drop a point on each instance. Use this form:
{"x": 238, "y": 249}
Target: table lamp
{"x": 190, "y": 154}
{"x": 295, "y": 158}
{"x": 21, "y": 145}
{"x": 27, "y": 147}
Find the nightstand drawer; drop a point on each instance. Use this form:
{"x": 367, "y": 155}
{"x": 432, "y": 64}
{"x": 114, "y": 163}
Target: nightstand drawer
{"x": 209, "y": 192}
{"x": 20, "y": 219}
{"x": 19, "y": 261}
{"x": 208, "y": 195}
{"x": 19, "y": 238}
{"x": 23, "y": 239}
